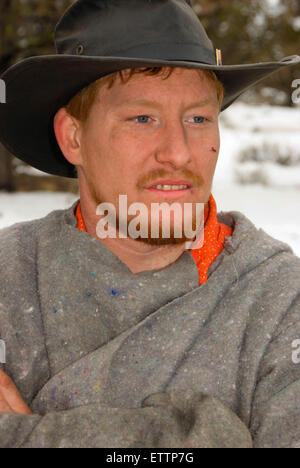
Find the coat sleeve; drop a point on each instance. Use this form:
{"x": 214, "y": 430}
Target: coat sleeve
{"x": 183, "y": 419}
{"x": 276, "y": 404}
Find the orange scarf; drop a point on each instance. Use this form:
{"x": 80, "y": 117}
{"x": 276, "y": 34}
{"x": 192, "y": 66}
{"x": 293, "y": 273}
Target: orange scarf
{"x": 214, "y": 238}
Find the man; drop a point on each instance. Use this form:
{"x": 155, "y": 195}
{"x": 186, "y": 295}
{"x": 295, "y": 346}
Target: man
{"x": 139, "y": 341}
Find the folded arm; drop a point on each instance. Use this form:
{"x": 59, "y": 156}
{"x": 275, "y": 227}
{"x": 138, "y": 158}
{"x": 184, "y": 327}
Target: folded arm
{"x": 177, "y": 419}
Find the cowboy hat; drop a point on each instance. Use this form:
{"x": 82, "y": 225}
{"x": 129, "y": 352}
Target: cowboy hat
{"x": 95, "y": 38}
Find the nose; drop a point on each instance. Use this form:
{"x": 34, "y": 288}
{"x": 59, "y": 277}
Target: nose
{"x": 173, "y": 148}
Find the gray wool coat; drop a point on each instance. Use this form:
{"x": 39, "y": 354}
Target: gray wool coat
{"x": 106, "y": 358}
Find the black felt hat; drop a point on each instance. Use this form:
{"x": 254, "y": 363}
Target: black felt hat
{"x": 95, "y": 38}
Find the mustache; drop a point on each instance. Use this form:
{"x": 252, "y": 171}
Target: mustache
{"x": 147, "y": 180}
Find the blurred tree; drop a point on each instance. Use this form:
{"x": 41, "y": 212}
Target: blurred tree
{"x": 255, "y": 31}
{"x": 26, "y": 30}
{"x": 4, "y": 54}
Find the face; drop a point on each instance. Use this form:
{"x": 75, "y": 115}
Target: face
{"x": 153, "y": 139}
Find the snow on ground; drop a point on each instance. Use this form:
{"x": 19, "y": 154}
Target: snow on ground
{"x": 276, "y": 211}
{"x": 19, "y": 206}
{"x": 273, "y": 204}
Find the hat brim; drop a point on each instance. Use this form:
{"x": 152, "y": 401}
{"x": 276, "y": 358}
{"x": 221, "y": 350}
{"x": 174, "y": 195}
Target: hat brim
{"x": 37, "y": 87}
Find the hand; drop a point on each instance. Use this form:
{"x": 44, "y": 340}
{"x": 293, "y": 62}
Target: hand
{"x": 10, "y": 398}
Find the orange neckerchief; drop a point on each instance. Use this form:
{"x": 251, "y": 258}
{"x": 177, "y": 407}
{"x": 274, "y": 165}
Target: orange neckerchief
{"x": 214, "y": 238}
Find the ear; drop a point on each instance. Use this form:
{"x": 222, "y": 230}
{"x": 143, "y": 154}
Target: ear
{"x": 67, "y": 132}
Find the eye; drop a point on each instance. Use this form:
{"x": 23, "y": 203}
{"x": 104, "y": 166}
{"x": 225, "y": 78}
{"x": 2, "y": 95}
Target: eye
{"x": 142, "y": 119}
{"x": 198, "y": 120}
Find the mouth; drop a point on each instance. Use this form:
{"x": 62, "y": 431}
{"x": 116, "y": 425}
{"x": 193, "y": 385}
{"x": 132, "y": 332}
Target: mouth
{"x": 170, "y": 186}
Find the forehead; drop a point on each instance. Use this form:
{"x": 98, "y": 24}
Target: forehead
{"x": 182, "y": 84}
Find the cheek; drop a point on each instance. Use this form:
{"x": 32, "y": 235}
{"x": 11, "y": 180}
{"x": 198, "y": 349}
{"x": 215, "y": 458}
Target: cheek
{"x": 129, "y": 145}
{"x": 206, "y": 150}
{"x": 129, "y": 154}
{"x": 214, "y": 143}
{"x": 214, "y": 138}
{"x": 215, "y": 148}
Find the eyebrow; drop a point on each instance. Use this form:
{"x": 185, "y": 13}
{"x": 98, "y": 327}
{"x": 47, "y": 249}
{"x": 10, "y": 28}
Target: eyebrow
{"x": 147, "y": 103}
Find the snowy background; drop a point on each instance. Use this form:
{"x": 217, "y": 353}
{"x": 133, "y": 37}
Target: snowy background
{"x": 258, "y": 173}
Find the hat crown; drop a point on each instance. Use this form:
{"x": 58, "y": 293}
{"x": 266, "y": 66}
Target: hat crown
{"x": 158, "y": 29}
